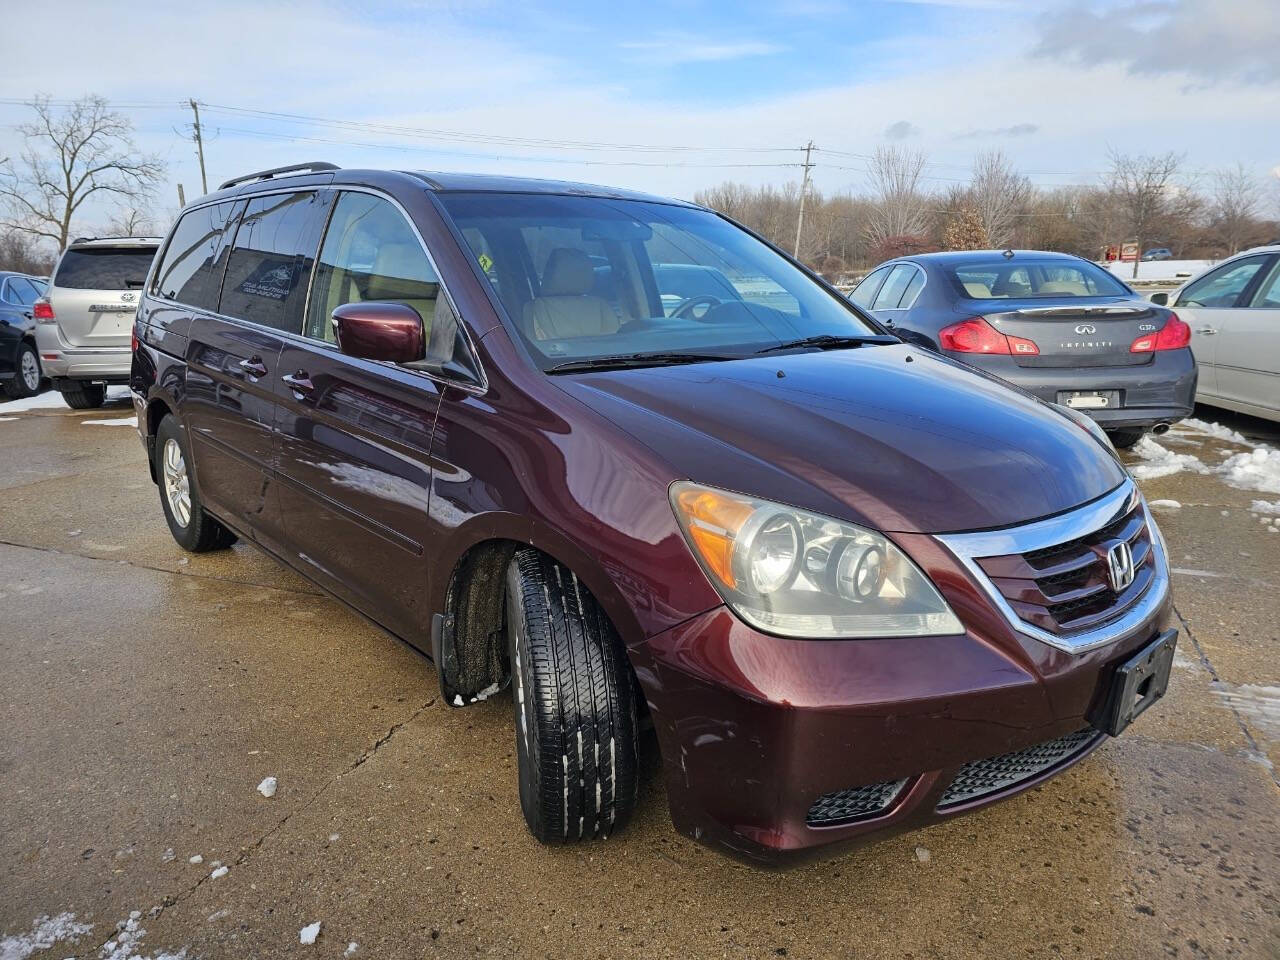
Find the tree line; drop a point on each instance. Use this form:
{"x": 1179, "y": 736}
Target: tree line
{"x": 1150, "y": 200}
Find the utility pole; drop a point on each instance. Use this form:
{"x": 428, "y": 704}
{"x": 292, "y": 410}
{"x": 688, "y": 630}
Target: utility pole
{"x": 195, "y": 109}
{"x": 182, "y": 196}
{"x": 804, "y": 190}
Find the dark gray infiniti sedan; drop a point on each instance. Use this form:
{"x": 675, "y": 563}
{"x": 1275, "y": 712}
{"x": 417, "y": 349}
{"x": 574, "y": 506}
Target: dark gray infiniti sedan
{"x": 1055, "y": 325}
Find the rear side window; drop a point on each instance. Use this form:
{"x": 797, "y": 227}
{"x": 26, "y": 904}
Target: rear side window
{"x": 189, "y": 272}
{"x": 29, "y": 290}
{"x": 370, "y": 253}
{"x": 1014, "y": 280}
{"x": 104, "y": 268}
{"x": 891, "y": 293}
{"x": 271, "y": 259}
{"x": 865, "y": 292}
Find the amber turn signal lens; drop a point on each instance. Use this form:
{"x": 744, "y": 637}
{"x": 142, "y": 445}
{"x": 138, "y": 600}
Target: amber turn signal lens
{"x": 713, "y": 520}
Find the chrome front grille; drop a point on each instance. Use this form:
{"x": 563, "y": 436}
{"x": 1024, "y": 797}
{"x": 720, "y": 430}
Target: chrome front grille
{"x": 1052, "y": 579}
{"x": 856, "y": 803}
{"x": 992, "y": 775}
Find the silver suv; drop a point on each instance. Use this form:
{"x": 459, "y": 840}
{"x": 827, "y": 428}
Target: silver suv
{"x": 84, "y": 321}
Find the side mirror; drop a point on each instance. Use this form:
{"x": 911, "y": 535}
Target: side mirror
{"x": 379, "y": 330}
{"x": 1160, "y": 299}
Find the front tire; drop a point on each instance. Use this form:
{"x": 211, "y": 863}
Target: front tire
{"x": 26, "y": 373}
{"x": 1124, "y": 439}
{"x": 83, "y": 396}
{"x": 576, "y": 741}
{"x": 190, "y": 525}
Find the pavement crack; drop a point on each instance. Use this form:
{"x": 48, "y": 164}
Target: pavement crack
{"x": 1213, "y": 675}
{"x": 147, "y": 566}
{"x": 246, "y": 853}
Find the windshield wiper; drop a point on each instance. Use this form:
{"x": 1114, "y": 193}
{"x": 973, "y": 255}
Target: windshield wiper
{"x": 636, "y": 360}
{"x": 830, "y": 341}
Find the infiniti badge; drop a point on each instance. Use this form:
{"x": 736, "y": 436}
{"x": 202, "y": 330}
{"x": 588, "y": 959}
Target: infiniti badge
{"x": 1120, "y": 570}
{"x": 1086, "y": 328}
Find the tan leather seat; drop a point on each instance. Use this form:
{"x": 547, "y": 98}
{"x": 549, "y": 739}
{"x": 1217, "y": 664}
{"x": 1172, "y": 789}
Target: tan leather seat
{"x": 978, "y": 290}
{"x": 566, "y": 308}
{"x": 398, "y": 274}
{"x": 1073, "y": 287}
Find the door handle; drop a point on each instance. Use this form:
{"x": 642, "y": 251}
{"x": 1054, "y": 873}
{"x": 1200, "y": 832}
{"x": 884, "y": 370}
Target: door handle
{"x": 254, "y": 367}
{"x": 299, "y": 383}
{"x": 1207, "y": 331}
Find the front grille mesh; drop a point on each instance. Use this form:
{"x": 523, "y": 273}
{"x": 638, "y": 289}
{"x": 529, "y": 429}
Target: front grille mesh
{"x": 980, "y": 778}
{"x": 857, "y": 803}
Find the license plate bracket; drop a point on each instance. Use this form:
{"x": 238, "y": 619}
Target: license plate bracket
{"x": 1136, "y": 684}
{"x": 1089, "y": 399}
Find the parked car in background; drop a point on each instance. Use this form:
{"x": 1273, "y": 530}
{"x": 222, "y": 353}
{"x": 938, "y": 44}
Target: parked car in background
{"x": 85, "y": 318}
{"x": 20, "y": 372}
{"x": 1234, "y": 314}
{"x": 854, "y": 586}
{"x": 1055, "y": 325}
{"x": 1158, "y": 253}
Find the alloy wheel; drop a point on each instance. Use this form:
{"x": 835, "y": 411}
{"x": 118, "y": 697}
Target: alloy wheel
{"x": 177, "y": 484}
{"x": 30, "y": 371}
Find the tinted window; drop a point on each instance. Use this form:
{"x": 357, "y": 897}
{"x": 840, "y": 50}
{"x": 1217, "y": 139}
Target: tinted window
{"x": 1018, "y": 279}
{"x": 1222, "y": 287}
{"x": 370, "y": 253}
{"x": 548, "y": 255}
{"x": 865, "y": 292}
{"x": 894, "y": 288}
{"x": 271, "y": 260}
{"x": 9, "y": 291}
{"x": 104, "y": 268}
{"x": 29, "y": 290}
{"x": 913, "y": 290}
{"x": 189, "y": 273}
{"x": 1269, "y": 294}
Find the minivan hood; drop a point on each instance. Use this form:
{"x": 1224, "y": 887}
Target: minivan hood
{"x": 892, "y": 437}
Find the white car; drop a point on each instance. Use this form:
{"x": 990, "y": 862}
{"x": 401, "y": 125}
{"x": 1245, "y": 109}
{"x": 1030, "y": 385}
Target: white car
{"x": 1234, "y": 314}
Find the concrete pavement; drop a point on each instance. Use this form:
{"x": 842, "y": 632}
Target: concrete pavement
{"x": 146, "y": 693}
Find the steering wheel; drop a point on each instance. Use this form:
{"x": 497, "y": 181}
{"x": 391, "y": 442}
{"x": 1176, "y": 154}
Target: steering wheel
{"x": 686, "y": 306}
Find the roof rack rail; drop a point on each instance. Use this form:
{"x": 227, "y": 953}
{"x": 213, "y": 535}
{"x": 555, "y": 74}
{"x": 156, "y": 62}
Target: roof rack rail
{"x": 316, "y": 166}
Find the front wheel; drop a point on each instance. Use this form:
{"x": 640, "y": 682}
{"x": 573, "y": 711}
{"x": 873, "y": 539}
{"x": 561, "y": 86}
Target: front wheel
{"x": 576, "y": 742}
{"x": 1124, "y": 439}
{"x": 194, "y": 529}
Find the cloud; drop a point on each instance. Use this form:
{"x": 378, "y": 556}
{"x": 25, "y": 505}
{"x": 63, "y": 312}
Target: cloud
{"x": 901, "y": 130}
{"x": 1016, "y": 130}
{"x": 671, "y": 49}
{"x": 1212, "y": 41}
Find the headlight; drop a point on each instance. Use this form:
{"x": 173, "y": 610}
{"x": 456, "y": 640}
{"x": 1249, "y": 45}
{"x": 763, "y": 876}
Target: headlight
{"x": 797, "y": 574}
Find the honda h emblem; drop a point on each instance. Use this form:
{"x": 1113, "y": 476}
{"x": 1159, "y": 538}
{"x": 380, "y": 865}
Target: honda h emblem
{"x": 1086, "y": 328}
{"x": 1120, "y": 566}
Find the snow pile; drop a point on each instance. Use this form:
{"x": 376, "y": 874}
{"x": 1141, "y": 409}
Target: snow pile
{"x": 1215, "y": 430}
{"x": 128, "y": 942}
{"x": 268, "y": 787}
{"x": 219, "y": 873}
{"x": 1262, "y": 506}
{"x": 307, "y": 935}
{"x": 1165, "y": 505}
{"x": 351, "y": 949}
{"x": 1162, "y": 462}
{"x": 1257, "y": 469}
{"x": 121, "y": 422}
{"x": 46, "y": 932}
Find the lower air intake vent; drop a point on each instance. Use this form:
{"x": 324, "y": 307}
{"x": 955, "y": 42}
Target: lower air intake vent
{"x": 980, "y": 778}
{"x": 858, "y": 803}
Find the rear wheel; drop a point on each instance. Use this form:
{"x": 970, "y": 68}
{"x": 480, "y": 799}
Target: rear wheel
{"x": 576, "y": 742}
{"x": 194, "y": 529}
{"x": 1124, "y": 439}
{"x": 26, "y": 373}
{"x": 83, "y": 396}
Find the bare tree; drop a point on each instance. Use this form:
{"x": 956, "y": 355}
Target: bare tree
{"x": 1146, "y": 194}
{"x": 901, "y": 208}
{"x": 132, "y": 222}
{"x": 20, "y": 252}
{"x": 1235, "y": 206}
{"x": 999, "y": 196}
{"x": 85, "y": 151}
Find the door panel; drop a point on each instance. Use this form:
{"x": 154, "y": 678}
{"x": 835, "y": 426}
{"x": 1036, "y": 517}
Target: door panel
{"x": 1210, "y": 305}
{"x": 229, "y": 413}
{"x": 353, "y": 480}
{"x": 1248, "y": 356}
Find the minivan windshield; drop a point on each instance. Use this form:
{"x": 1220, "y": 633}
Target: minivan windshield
{"x": 586, "y": 278}
{"x": 104, "y": 268}
{"x": 1018, "y": 279}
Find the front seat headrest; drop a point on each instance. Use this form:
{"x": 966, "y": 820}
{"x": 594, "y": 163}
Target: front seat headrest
{"x": 569, "y": 273}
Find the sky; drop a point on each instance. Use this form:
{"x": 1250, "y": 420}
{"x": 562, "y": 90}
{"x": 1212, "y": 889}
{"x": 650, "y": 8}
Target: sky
{"x": 667, "y": 96}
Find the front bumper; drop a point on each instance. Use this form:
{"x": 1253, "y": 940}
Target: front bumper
{"x": 756, "y": 731}
{"x": 1162, "y": 391}
{"x": 64, "y": 361}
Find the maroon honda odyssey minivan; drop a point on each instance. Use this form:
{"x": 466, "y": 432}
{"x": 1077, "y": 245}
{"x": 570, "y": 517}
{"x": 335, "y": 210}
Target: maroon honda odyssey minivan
{"x": 624, "y": 458}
